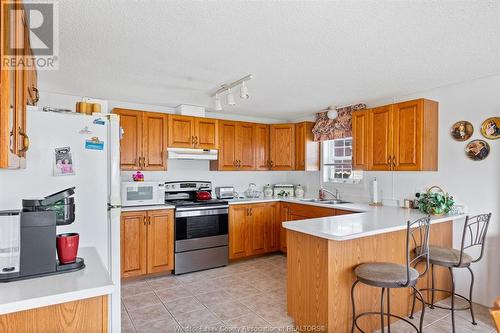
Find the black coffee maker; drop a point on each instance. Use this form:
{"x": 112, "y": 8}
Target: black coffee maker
{"x": 36, "y": 236}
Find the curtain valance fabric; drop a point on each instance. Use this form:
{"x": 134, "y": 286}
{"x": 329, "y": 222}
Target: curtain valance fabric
{"x": 338, "y": 128}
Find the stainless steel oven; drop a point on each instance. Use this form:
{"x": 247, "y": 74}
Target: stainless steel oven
{"x": 201, "y": 230}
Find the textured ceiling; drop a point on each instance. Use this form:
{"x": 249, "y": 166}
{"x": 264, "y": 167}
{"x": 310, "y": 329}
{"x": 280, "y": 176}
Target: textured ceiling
{"x": 304, "y": 55}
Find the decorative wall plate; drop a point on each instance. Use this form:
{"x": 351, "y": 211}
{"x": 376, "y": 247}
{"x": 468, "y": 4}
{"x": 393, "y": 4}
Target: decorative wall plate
{"x": 490, "y": 128}
{"x": 477, "y": 150}
{"x": 462, "y": 130}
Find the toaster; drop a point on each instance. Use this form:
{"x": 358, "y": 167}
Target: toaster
{"x": 225, "y": 192}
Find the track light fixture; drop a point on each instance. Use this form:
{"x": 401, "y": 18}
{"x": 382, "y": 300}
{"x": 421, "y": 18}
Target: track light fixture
{"x": 226, "y": 89}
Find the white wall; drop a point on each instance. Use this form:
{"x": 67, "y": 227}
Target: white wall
{"x": 476, "y": 184}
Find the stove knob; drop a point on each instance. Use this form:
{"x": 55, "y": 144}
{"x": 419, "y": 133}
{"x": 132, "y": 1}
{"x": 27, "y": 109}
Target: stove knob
{"x": 167, "y": 186}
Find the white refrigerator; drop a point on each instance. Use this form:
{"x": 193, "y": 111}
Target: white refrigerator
{"x": 94, "y": 143}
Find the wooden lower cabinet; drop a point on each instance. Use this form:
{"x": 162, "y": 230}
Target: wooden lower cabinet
{"x": 86, "y": 315}
{"x": 147, "y": 242}
{"x": 295, "y": 212}
{"x": 253, "y": 229}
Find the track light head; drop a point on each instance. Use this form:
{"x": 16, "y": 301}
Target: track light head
{"x": 218, "y": 104}
{"x": 230, "y": 97}
{"x": 244, "y": 91}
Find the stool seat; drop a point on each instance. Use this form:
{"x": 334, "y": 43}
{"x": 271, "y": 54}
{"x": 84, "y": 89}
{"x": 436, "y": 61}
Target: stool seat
{"x": 385, "y": 275}
{"x": 448, "y": 257}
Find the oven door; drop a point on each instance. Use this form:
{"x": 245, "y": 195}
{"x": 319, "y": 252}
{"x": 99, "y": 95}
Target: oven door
{"x": 200, "y": 227}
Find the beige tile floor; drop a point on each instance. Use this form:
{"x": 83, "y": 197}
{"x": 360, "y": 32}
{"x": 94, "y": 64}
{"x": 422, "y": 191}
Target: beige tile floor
{"x": 247, "y": 295}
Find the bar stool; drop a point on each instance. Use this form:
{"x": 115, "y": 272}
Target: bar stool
{"x": 391, "y": 275}
{"x": 473, "y": 236}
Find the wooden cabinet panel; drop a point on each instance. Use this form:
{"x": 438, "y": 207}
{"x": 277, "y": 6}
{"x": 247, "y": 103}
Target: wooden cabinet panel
{"x": 14, "y": 140}
{"x": 206, "y": 133}
{"x": 154, "y": 147}
{"x": 227, "y": 147}
{"x": 407, "y": 124}
{"x": 380, "y": 138}
{"x": 238, "y": 216}
{"x": 133, "y": 243}
{"x": 261, "y": 147}
{"x": 306, "y": 150}
{"x": 257, "y": 225}
{"x": 181, "y": 131}
{"x": 160, "y": 241}
{"x": 131, "y": 141}
{"x": 343, "y": 212}
{"x": 282, "y": 146}
{"x": 86, "y": 315}
{"x": 273, "y": 227}
{"x": 245, "y": 156}
{"x": 360, "y": 140}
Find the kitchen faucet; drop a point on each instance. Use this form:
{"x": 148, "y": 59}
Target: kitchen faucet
{"x": 323, "y": 191}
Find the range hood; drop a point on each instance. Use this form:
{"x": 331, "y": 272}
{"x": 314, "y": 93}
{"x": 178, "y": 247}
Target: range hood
{"x": 191, "y": 154}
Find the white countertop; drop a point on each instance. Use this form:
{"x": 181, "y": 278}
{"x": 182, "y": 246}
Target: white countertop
{"x": 92, "y": 281}
{"x": 151, "y": 207}
{"x": 373, "y": 221}
{"x": 367, "y": 220}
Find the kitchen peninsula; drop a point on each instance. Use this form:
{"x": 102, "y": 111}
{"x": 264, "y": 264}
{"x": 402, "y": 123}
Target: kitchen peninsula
{"x": 323, "y": 252}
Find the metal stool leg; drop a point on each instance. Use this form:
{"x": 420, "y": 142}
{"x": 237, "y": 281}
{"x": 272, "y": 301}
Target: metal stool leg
{"x": 413, "y": 303}
{"x": 415, "y": 290}
{"x": 353, "y": 305}
{"x": 382, "y": 310}
{"x": 470, "y": 296}
{"x": 452, "y": 300}
{"x": 432, "y": 286}
{"x": 388, "y": 310}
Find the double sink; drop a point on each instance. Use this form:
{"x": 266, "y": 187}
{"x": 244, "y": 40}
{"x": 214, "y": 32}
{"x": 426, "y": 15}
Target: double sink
{"x": 325, "y": 201}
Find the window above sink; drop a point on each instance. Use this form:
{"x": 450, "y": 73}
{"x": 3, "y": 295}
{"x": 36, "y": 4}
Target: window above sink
{"x": 337, "y": 162}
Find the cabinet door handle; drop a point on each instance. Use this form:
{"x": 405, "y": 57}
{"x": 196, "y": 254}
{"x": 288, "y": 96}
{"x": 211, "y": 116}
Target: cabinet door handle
{"x": 389, "y": 162}
{"x": 271, "y": 164}
{"x": 251, "y": 211}
{"x": 37, "y": 94}
{"x": 196, "y": 140}
{"x": 26, "y": 141}
{"x": 149, "y": 220}
{"x": 394, "y": 161}
{"x": 239, "y": 163}
{"x": 144, "y": 220}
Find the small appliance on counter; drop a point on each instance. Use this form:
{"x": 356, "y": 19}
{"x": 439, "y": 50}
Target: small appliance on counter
{"x": 28, "y": 241}
{"x": 142, "y": 193}
{"x": 284, "y": 190}
{"x": 225, "y": 192}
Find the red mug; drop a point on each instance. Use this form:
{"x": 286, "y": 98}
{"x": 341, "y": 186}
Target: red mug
{"x": 67, "y": 247}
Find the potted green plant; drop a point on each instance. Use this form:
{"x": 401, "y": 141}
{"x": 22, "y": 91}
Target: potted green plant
{"x": 435, "y": 201}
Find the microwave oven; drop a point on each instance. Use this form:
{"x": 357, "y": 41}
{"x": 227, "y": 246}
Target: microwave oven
{"x": 143, "y": 193}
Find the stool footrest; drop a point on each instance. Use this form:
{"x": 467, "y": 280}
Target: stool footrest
{"x": 447, "y": 307}
{"x": 373, "y": 313}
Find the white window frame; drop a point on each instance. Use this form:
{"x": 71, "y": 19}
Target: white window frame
{"x": 356, "y": 175}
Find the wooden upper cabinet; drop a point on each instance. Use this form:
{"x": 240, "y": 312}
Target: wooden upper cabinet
{"x": 14, "y": 96}
{"x": 206, "y": 133}
{"x": 143, "y": 144}
{"x": 360, "y": 140}
{"x": 415, "y": 144}
{"x": 131, "y": 141}
{"x": 192, "y": 132}
{"x": 154, "y": 147}
{"x": 400, "y": 137}
{"x": 261, "y": 147}
{"x": 380, "y": 138}
{"x": 133, "y": 238}
{"x": 282, "y": 146}
{"x": 306, "y": 150}
{"x": 226, "y": 159}
{"x": 160, "y": 257}
{"x": 238, "y": 215}
{"x": 181, "y": 131}
{"x": 245, "y": 142}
